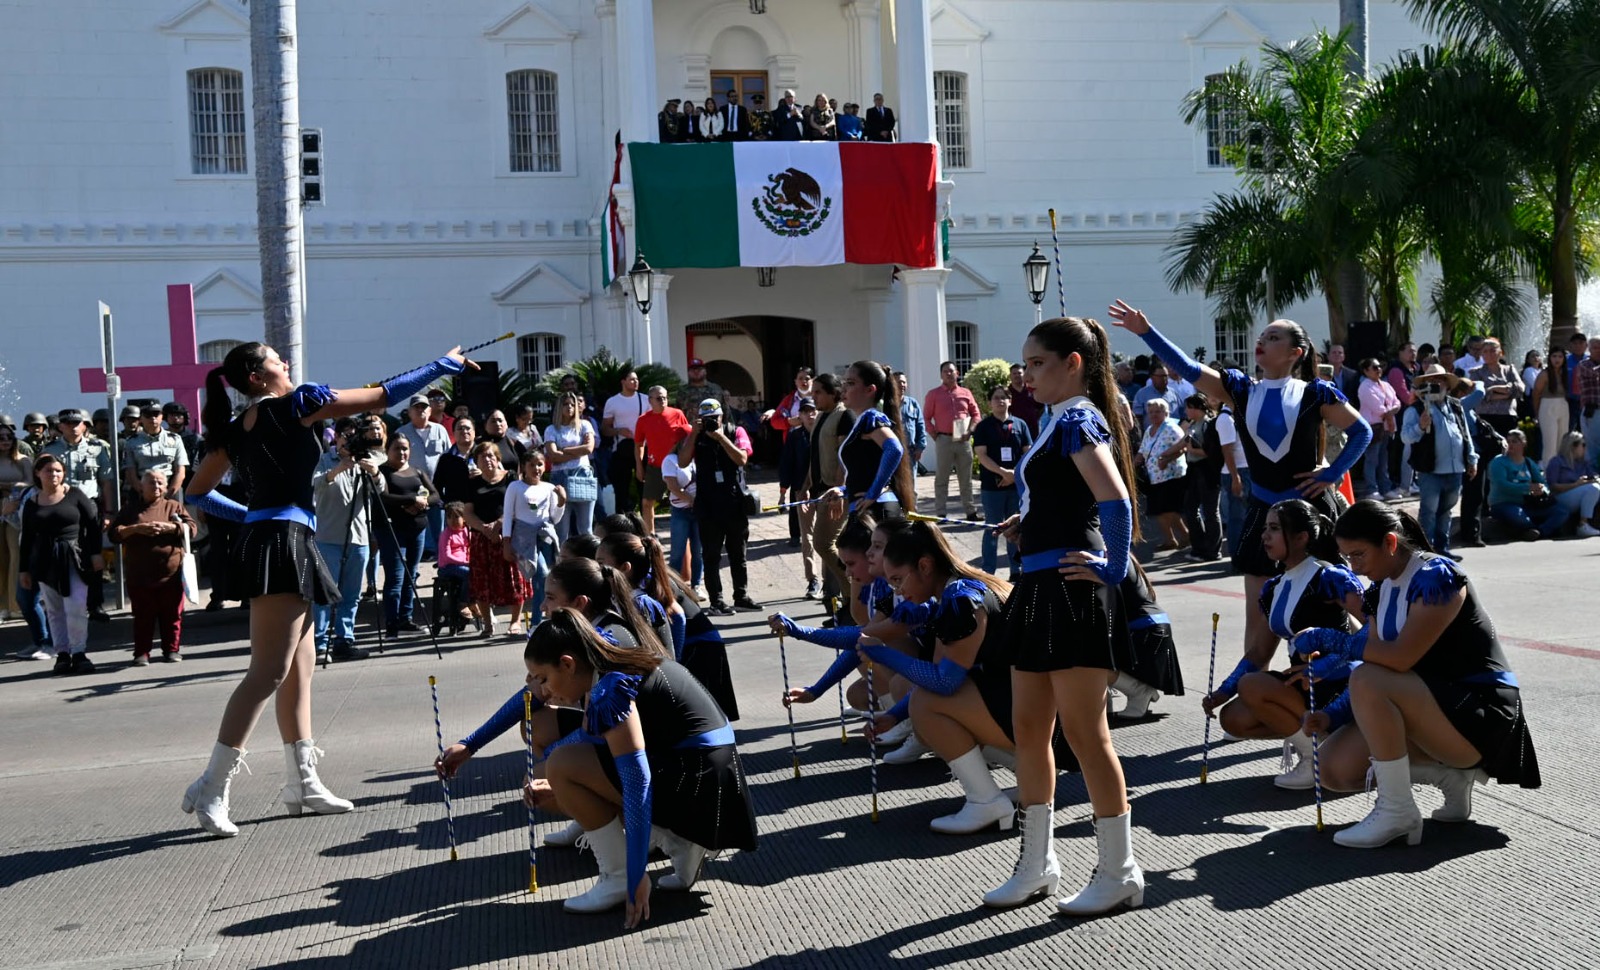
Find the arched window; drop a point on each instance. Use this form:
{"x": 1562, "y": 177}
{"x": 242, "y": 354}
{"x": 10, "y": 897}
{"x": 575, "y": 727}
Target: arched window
{"x": 534, "y": 119}
{"x": 540, "y": 353}
{"x": 216, "y": 122}
{"x": 212, "y": 351}
{"x": 963, "y": 345}
{"x": 950, "y": 119}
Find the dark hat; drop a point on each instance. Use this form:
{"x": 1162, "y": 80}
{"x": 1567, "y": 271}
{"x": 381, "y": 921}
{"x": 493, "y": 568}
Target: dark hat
{"x": 434, "y": 392}
{"x": 807, "y": 404}
{"x": 101, "y": 414}
{"x": 696, "y": 362}
{"x": 76, "y": 416}
{"x": 150, "y": 410}
{"x": 417, "y": 399}
{"x": 128, "y": 411}
{"x": 6, "y": 422}
{"x": 34, "y": 417}
{"x": 173, "y": 407}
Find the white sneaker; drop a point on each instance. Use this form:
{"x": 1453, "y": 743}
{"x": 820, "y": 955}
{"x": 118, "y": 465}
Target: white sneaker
{"x": 700, "y": 596}
{"x": 1394, "y": 495}
{"x": 896, "y": 734}
{"x": 912, "y": 750}
{"x": 34, "y": 653}
{"x": 1587, "y": 531}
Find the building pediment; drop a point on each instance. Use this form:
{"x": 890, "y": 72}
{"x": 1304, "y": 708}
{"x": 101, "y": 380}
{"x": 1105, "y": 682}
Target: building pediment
{"x": 1226, "y": 25}
{"x": 964, "y": 281}
{"x": 530, "y": 23}
{"x": 208, "y": 18}
{"x": 541, "y": 285}
{"x": 226, "y": 291}
{"x": 950, "y": 23}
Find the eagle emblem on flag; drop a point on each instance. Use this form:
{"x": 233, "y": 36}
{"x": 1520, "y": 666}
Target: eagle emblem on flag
{"x": 792, "y": 204}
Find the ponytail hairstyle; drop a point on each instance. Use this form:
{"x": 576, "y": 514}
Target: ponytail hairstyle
{"x": 608, "y": 592}
{"x": 908, "y": 546}
{"x": 1085, "y": 337}
{"x": 1370, "y": 521}
{"x": 1299, "y": 517}
{"x": 569, "y": 633}
{"x": 1306, "y": 368}
{"x": 242, "y": 363}
{"x": 629, "y": 522}
{"x": 829, "y": 383}
{"x": 881, "y": 378}
{"x": 856, "y": 535}
{"x": 647, "y": 565}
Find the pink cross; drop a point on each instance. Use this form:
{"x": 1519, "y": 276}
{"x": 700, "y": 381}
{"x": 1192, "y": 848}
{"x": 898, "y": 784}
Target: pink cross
{"x": 185, "y": 376}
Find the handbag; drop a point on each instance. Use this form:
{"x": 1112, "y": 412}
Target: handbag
{"x": 1538, "y": 503}
{"x": 580, "y": 484}
{"x": 749, "y": 500}
{"x": 189, "y": 570}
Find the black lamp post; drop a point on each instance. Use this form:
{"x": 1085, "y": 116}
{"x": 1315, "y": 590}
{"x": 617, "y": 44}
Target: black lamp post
{"x": 1037, "y": 269}
{"x": 641, "y": 277}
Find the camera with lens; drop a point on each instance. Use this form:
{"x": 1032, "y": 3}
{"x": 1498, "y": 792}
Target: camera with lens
{"x": 710, "y": 423}
{"x": 364, "y": 437}
{"x": 1433, "y": 392}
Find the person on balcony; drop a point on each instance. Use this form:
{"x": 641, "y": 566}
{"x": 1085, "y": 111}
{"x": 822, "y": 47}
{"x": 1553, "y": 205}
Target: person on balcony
{"x": 691, "y": 127}
{"x": 880, "y": 121}
{"x": 667, "y": 122}
{"x": 734, "y": 118}
{"x": 788, "y": 120}
{"x": 821, "y": 122}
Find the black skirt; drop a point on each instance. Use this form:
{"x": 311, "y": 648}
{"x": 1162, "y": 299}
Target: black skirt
{"x": 698, "y": 794}
{"x": 1155, "y": 659}
{"x": 279, "y": 556}
{"x": 1250, "y": 558}
{"x": 994, "y": 688}
{"x": 1055, "y": 623}
{"x": 1166, "y": 497}
{"x": 1328, "y": 691}
{"x": 1490, "y": 717}
{"x": 708, "y": 661}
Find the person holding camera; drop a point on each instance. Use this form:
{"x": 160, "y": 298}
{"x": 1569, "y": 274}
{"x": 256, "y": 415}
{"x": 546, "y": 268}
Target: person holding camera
{"x": 720, "y": 453}
{"x": 344, "y": 529}
{"x": 1442, "y": 452}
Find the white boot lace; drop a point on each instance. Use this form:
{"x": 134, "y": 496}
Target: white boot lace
{"x": 1287, "y": 762}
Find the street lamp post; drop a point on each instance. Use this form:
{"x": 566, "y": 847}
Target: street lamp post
{"x": 1037, "y": 269}
{"x": 641, "y": 277}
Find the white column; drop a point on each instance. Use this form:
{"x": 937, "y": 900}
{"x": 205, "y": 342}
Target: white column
{"x": 637, "y": 103}
{"x": 914, "y": 66}
{"x": 606, "y": 12}
{"x": 661, "y": 346}
{"x": 884, "y": 343}
{"x": 864, "y": 47}
{"x": 926, "y": 337}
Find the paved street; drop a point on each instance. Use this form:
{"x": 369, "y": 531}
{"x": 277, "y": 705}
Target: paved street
{"x": 102, "y": 871}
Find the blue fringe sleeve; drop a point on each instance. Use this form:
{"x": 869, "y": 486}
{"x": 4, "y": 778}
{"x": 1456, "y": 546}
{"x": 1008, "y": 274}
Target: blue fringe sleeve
{"x": 610, "y": 702}
{"x": 1080, "y": 428}
{"x": 1337, "y": 582}
{"x": 310, "y": 398}
{"x": 907, "y": 613}
{"x": 1435, "y": 583}
{"x": 958, "y": 610}
{"x": 1239, "y": 387}
{"x": 1326, "y": 393}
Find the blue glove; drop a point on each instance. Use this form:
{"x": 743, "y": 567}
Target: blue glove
{"x": 901, "y": 709}
{"x": 500, "y": 721}
{"x": 839, "y": 638}
{"x": 1339, "y": 712}
{"x": 839, "y": 670}
{"x": 1356, "y": 439}
{"x": 1331, "y": 643}
{"x": 217, "y": 504}
{"x": 1230, "y": 686}
{"x": 399, "y": 388}
{"x": 893, "y": 452}
{"x": 1181, "y": 363}
{"x": 943, "y": 678}
{"x": 1116, "y": 528}
{"x": 634, "y": 771}
{"x": 579, "y": 736}
{"x": 680, "y": 626}
{"x": 1329, "y": 667}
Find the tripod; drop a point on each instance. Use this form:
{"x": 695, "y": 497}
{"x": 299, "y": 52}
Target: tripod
{"x": 368, "y": 498}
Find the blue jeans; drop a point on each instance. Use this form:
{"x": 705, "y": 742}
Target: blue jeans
{"x": 1234, "y": 507}
{"x": 998, "y": 505}
{"x": 1439, "y": 495}
{"x": 578, "y": 520}
{"x": 29, "y": 602}
{"x": 343, "y": 614}
{"x": 1549, "y": 520}
{"x": 430, "y": 544}
{"x": 685, "y": 529}
{"x": 1376, "y": 460}
{"x": 1581, "y": 500}
{"x": 399, "y": 590}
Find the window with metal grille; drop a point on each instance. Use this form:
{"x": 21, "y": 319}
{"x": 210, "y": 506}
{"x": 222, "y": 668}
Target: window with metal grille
{"x": 540, "y": 353}
{"x": 963, "y": 345}
{"x": 1232, "y": 340}
{"x": 1224, "y": 127}
{"x": 216, "y": 122}
{"x": 532, "y": 113}
{"x": 950, "y": 119}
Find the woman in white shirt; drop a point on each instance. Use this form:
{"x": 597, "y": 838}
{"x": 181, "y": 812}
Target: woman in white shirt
{"x": 685, "y": 530}
{"x": 527, "y": 526}
{"x": 1162, "y": 451}
{"x": 568, "y": 443}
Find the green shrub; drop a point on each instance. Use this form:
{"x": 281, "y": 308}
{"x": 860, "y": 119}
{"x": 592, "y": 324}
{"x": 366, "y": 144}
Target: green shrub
{"x": 984, "y": 377}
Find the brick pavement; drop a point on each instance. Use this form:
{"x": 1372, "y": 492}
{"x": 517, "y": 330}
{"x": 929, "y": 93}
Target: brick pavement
{"x": 100, "y": 870}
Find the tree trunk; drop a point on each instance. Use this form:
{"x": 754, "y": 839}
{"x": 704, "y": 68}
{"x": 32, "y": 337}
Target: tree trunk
{"x": 1338, "y": 330}
{"x": 276, "y": 96}
{"x": 1353, "y": 17}
{"x": 1563, "y": 265}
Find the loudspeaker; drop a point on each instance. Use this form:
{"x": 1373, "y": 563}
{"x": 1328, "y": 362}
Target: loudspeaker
{"x": 480, "y": 388}
{"x": 1366, "y": 338}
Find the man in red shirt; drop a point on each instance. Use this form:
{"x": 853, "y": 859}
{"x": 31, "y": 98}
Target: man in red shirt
{"x": 658, "y": 430}
{"x": 951, "y": 413}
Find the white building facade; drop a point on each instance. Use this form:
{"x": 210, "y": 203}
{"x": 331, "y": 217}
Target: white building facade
{"x": 468, "y": 151}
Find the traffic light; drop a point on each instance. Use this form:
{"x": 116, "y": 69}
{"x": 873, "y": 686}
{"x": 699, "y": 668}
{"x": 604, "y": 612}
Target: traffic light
{"x": 311, "y": 166}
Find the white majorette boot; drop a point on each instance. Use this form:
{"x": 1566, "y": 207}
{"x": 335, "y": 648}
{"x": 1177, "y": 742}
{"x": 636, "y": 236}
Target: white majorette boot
{"x": 1393, "y": 815}
{"x": 986, "y": 805}
{"x": 566, "y": 838}
{"x": 1037, "y": 870}
{"x": 610, "y": 848}
{"x": 303, "y": 789}
{"x": 912, "y": 750}
{"x": 998, "y": 758}
{"x": 1139, "y": 694}
{"x": 1455, "y": 783}
{"x": 1295, "y": 771}
{"x": 1117, "y": 881}
{"x": 207, "y": 796}
{"x": 688, "y": 859}
{"x": 895, "y": 734}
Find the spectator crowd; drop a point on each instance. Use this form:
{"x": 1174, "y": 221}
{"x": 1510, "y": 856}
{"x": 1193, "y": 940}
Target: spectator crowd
{"x": 682, "y": 121}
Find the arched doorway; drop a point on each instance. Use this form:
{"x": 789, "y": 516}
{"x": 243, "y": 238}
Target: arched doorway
{"x": 754, "y": 358}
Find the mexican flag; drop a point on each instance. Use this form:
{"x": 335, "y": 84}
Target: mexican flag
{"x": 784, "y": 203}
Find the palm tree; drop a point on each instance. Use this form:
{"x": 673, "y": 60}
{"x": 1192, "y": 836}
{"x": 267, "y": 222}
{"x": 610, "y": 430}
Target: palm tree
{"x": 1291, "y": 217}
{"x": 1553, "y": 48}
{"x": 275, "y": 67}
